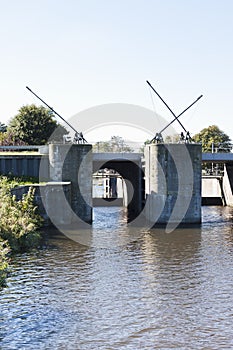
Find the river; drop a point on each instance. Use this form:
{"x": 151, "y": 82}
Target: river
{"x": 158, "y": 291}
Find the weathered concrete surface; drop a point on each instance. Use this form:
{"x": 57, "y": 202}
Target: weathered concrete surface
{"x": 212, "y": 191}
{"x": 211, "y": 187}
{"x": 109, "y": 156}
{"x": 228, "y": 184}
{"x": 74, "y": 163}
{"x": 173, "y": 183}
{"x": 48, "y": 198}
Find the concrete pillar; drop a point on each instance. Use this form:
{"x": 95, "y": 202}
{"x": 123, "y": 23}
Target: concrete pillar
{"x": 228, "y": 184}
{"x": 173, "y": 184}
{"x": 74, "y": 163}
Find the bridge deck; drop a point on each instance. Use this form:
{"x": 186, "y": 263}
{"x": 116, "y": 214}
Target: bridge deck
{"x": 133, "y": 157}
{"x": 206, "y": 157}
{"x": 217, "y": 157}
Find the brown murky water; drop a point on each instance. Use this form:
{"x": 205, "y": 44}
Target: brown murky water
{"x": 160, "y": 291}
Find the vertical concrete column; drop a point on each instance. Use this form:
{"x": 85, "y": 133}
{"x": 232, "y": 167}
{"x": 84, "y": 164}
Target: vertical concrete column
{"x": 74, "y": 163}
{"x": 173, "y": 183}
{"x": 228, "y": 184}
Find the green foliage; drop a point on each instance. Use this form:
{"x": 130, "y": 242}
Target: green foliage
{"x": 19, "y": 219}
{"x": 35, "y": 125}
{"x": 19, "y": 223}
{"x": 172, "y": 139}
{"x": 11, "y": 181}
{"x": 142, "y": 148}
{"x": 168, "y": 139}
{"x": 3, "y": 127}
{"x": 9, "y": 139}
{"x": 4, "y": 250}
{"x": 213, "y": 135}
{"x": 115, "y": 144}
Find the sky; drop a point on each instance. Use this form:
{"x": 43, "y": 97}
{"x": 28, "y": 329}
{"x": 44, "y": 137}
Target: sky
{"x": 77, "y": 54}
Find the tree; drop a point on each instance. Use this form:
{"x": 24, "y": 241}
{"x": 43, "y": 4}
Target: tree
{"x": 172, "y": 138}
{"x": 115, "y": 144}
{"x": 119, "y": 145}
{"x": 34, "y": 125}
{"x": 3, "y": 127}
{"x": 213, "y": 137}
{"x": 9, "y": 139}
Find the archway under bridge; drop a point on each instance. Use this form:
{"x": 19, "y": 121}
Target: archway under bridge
{"x": 129, "y": 167}
{"x": 108, "y": 188}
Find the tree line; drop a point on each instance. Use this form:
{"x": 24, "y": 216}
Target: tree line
{"x": 32, "y": 125}
{"x": 37, "y": 125}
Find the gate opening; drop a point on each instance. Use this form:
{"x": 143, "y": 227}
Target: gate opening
{"x": 108, "y": 188}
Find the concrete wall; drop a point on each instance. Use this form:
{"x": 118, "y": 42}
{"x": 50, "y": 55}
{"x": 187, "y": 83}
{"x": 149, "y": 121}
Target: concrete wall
{"x": 211, "y": 187}
{"x": 64, "y": 163}
{"x": 228, "y": 184}
{"x": 173, "y": 183}
{"x": 47, "y": 199}
{"x": 73, "y": 163}
{"x": 68, "y": 196}
{"x": 212, "y": 191}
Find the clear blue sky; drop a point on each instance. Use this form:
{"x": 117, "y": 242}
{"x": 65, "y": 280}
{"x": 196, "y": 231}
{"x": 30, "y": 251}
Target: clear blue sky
{"x": 80, "y": 53}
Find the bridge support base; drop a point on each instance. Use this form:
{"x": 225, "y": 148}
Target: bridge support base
{"x": 173, "y": 184}
{"x": 73, "y": 163}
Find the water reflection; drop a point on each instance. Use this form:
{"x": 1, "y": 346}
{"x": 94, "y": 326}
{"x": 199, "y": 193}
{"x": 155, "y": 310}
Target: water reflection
{"x": 157, "y": 291}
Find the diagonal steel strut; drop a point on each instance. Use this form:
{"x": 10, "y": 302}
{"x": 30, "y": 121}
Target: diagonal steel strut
{"x": 175, "y": 117}
{"x": 79, "y": 135}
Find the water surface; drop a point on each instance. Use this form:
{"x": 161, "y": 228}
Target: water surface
{"x": 159, "y": 291}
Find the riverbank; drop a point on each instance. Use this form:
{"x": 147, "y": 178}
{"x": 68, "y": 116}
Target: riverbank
{"x": 19, "y": 225}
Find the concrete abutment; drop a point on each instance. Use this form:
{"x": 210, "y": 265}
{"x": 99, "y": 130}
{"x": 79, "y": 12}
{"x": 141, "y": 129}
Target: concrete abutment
{"x": 173, "y": 183}
{"x": 172, "y": 180}
{"x": 73, "y": 163}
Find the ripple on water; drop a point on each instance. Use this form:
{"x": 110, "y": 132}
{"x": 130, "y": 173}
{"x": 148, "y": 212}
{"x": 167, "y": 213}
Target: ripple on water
{"x": 161, "y": 291}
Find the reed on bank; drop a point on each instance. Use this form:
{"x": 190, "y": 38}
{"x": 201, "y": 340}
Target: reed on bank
{"x": 19, "y": 224}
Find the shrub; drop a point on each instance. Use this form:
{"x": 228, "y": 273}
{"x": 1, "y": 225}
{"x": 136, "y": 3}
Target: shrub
{"x": 4, "y": 249}
{"x": 20, "y": 221}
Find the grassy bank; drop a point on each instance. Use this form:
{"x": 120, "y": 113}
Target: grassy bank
{"x": 19, "y": 223}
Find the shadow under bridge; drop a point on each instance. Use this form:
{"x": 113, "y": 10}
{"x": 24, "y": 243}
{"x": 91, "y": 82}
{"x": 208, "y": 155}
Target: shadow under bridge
{"x": 130, "y": 167}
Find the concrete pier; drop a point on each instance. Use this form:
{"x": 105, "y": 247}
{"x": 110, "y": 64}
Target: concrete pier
{"x": 173, "y": 184}
{"x": 73, "y": 163}
{"x": 228, "y": 184}
{"x": 172, "y": 181}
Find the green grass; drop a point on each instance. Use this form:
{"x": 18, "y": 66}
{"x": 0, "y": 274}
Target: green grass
{"x": 14, "y": 181}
